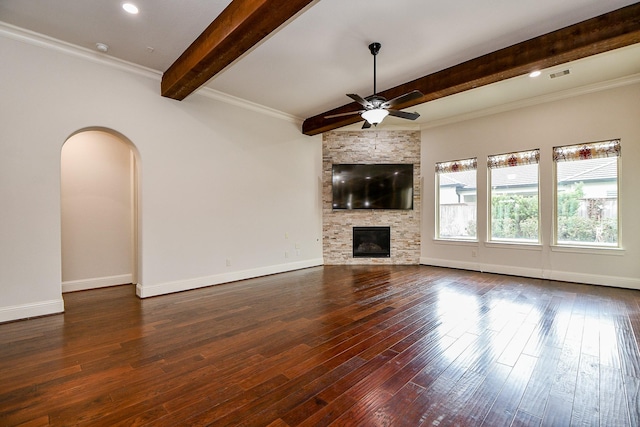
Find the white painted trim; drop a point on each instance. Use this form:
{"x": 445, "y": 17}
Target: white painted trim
{"x": 25, "y": 311}
{"x": 457, "y": 242}
{"x": 594, "y": 279}
{"x": 96, "y": 282}
{"x": 448, "y": 263}
{"x": 513, "y": 245}
{"x": 556, "y": 96}
{"x": 16, "y": 33}
{"x": 564, "y": 276}
{"x": 40, "y": 40}
{"x": 589, "y": 250}
{"x": 201, "y": 282}
{"x": 243, "y": 103}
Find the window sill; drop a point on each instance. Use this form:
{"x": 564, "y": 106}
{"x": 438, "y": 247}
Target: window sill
{"x": 514, "y": 245}
{"x": 594, "y": 250}
{"x": 454, "y": 242}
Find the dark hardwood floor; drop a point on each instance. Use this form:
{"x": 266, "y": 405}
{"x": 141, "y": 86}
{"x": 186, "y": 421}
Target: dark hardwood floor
{"x": 334, "y": 345}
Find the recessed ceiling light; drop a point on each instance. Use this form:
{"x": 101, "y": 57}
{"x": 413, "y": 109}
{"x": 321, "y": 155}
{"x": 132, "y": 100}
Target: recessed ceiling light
{"x": 130, "y": 8}
{"x": 535, "y": 73}
{"x": 102, "y": 47}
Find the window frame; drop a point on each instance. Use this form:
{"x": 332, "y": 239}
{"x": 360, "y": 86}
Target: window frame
{"x": 512, "y": 159}
{"x": 599, "y": 149}
{"x": 454, "y": 166}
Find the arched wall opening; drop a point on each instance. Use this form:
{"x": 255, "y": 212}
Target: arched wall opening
{"x": 99, "y": 210}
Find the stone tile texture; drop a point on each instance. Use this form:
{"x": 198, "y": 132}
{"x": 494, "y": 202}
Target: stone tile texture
{"x": 337, "y": 226}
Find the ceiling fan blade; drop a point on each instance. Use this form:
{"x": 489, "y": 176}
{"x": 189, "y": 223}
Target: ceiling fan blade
{"x": 415, "y": 94}
{"x": 331, "y": 116}
{"x": 403, "y": 114}
{"x": 360, "y": 100}
{"x": 366, "y": 125}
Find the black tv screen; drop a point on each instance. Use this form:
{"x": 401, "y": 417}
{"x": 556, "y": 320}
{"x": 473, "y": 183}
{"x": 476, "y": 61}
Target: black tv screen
{"x": 377, "y": 186}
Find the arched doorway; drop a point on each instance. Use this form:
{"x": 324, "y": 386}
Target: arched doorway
{"x": 99, "y": 210}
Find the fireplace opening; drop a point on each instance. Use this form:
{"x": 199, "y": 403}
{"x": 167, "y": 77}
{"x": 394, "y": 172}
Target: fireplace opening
{"x": 371, "y": 242}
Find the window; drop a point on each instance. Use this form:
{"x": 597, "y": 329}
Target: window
{"x": 587, "y": 194}
{"x": 514, "y": 196}
{"x": 456, "y": 199}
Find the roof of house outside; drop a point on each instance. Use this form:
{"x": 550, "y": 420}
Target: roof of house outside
{"x": 588, "y": 170}
{"x": 591, "y": 170}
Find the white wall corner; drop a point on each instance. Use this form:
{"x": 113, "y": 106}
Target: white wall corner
{"x": 35, "y": 309}
{"x": 202, "y": 282}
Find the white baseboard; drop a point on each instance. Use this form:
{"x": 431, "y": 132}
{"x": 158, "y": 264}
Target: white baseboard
{"x": 200, "y": 282}
{"x": 33, "y": 309}
{"x": 594, "y": 279}
{"x": 564, "y": 276}
{"x": 96, "y": 282}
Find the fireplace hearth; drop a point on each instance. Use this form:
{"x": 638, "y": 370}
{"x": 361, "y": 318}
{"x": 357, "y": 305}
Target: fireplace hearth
{"x": 371, "y": 242}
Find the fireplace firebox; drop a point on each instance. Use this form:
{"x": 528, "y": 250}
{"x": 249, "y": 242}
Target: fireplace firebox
{"x": 371, "y": 242}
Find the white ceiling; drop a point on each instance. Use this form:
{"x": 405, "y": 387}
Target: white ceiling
{"x": 309, "y": 65}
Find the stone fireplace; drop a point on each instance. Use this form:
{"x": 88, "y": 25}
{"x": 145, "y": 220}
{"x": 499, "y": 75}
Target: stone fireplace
{"x": 370, "y": 147}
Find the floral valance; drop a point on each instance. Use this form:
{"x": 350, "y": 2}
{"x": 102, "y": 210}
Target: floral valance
{"x": 457, "y": 166}
{"x": 592, "y": 150}
{"x": 520, "y": 158}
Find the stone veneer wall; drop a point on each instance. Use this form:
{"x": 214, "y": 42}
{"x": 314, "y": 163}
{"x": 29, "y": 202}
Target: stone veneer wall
{"x": 337, "y": 226}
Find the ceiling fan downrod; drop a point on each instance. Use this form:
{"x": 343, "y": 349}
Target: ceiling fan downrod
{"x": 375, "y": 108}
{"x": 374, "y": 48}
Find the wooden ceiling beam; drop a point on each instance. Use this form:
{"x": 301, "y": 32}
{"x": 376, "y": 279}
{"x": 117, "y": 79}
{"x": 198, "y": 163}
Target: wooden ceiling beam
{"x": 239, "y": 27}
{"x": 597, "y": 35}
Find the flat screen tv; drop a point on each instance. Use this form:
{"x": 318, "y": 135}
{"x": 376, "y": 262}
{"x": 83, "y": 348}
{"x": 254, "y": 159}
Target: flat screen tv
{"x": 372, "y": 186}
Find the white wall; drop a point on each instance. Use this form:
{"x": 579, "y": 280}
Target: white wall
{"x": 218, "y": 182}
{"x": 608, "y": 114}
{"x": 224, "y": 184}
{"x": 97, "y": 211}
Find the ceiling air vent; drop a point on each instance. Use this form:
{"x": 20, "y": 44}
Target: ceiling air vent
{"x": 559, "y": 74}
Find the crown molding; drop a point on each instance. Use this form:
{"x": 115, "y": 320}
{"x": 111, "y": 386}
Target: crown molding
{"x": 26, "y": 36}
{"x": 543, "y": 99}
{"x": 20, "y": 34}
{"x": 243, "y": 103}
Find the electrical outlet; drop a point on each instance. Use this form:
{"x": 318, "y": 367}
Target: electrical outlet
{"x": 474, "y": 253}
{"x": 286, "y": 254}
{"x": 228, "y": 262}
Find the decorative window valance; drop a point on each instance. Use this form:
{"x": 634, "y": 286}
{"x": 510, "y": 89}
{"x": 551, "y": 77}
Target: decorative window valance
{"x": 520, "y": 158}
{"x": 457, "y": 166}
{"x": 591, "y": 150}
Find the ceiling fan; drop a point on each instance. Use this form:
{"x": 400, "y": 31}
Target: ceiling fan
{"x": 376, "y": 107}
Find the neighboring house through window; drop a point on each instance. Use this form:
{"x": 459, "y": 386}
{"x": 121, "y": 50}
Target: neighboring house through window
{"x": 587, "y": 194}
{"x": 514, "y": 213}
{"x": 457, "y": 200}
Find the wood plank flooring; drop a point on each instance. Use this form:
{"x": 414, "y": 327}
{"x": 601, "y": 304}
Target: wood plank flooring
{"x": 333, "y": 345}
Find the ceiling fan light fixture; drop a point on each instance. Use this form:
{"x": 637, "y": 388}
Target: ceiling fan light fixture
{"x": 375, "y": 116}
{"x": 375, "y": 108}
